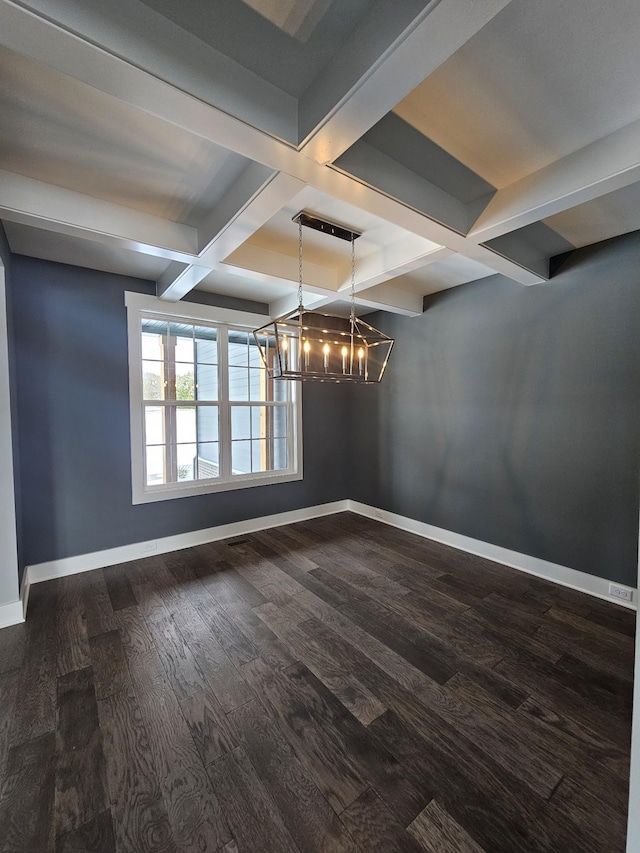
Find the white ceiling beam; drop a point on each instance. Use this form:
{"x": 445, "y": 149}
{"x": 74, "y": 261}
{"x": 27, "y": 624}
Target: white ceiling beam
{"x": 402, "y": 257}
{"x": 178, "y": 279}
{"x": 252, "y": 201}
{"x": 353, "y": 191}
{"x": 386, "y": 297}
{"x": 433, "y": 36}
{"x": 603, "y": 166}
{"x": 256, "y": 196}
{"x": 53, "y": 208}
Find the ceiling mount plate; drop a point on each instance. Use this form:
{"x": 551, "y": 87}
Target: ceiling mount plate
{"x": 331, "y": 228}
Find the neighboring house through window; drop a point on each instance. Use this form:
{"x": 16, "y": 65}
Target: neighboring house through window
{"x": 205, "y": 414}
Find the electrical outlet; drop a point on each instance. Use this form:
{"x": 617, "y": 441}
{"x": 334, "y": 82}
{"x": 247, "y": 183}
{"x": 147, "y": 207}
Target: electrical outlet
{"x": 151, "y": 545}
{"x": 622, "y": 592}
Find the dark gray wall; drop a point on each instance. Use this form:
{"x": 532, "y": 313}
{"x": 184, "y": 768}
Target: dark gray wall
{"x": 70, "y": 349}
{"x": 512, "y": 414}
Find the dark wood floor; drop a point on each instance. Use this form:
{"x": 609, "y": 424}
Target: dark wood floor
{"x": 335, "y": 685}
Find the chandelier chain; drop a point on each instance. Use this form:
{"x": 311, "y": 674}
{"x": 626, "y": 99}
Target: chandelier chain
{"x": 300, "y": 265}
{"x": 353, "y": 280}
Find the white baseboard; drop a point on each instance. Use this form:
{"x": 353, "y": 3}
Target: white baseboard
{"x": 11, "y": 614}
{"x": 137, "y": 550}
{"x": 581, "y": 581}
{"x": 562, "y": 575}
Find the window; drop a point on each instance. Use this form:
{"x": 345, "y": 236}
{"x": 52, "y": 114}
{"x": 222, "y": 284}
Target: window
{"x": 205, "y": 414}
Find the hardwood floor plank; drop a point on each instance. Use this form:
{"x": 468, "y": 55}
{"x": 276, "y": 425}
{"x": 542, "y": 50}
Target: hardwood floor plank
{"x": 374, "y": 763}
{"x": 488, "y": 803}
{"x": 505, "y": 736}
{"x": 177, "y": 658}
{"x": 312, "y": 823}
{"x": 95, "y": 836}
{"x": 606, "y": 827}
{"x": 281, "y": 542}
{"x": 324, "y": 760}
{"x": 342, "y": 683}
{"x": 236, "y": 644}
{"x": 97, "y": 604}
{"x": 620, "y": 620}
{"x": 13, "y": 644}
{"x": 110, "y": 671}
{"x": 118, "y": 587}
{"x": 81, "y": 784}
{"x": 72, "y": 639}
{"x": 269, "y": 647}
{"x": 256, "y": 824}
{"x": 375, "y": 828}
{"x": 578, "y": 738}
{"x": 135, "y": 636}
{"x": 9, "y": 682}
{"x": 194, "y": 812}
{"x": 437, "y": 832}
{"x": 210, "y": 730}
{"x": 546, "y": 684}
{"x": 27, "y": 797}
{"x": 140, "y": 818}
{"x": 226, "y": 682}
{"x": 36, "y": 691}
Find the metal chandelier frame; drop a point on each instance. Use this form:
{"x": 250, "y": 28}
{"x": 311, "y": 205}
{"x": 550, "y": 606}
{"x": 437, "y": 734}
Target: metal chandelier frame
{"x": 307, "y": 345}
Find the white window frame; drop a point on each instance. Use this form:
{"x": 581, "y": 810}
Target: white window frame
{"x": 139, "y": 305}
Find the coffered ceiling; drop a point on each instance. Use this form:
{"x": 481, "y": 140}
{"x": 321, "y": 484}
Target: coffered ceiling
{"x": 176, "y": 140}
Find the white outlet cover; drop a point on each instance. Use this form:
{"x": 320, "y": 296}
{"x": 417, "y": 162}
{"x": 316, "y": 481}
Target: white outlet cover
{"x": 622, "y": 592}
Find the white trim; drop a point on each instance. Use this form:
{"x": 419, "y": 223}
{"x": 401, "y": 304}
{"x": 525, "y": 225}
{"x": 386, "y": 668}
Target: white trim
{"x": 11, "y": 614}
{"x": 8, "y": 528}
{"x": 138, "y": 550}
{"x": 562, "y": 575}
{"x": 553, "y": 572}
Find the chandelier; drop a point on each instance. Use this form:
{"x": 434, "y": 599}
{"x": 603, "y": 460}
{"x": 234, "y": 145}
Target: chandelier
{"x": 309, "y": 345}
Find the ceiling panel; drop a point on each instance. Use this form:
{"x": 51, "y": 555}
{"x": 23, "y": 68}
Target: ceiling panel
{"x": 61, "y": 131}
{"x": 609, "y": 216}
{"x": 541, "y": 80}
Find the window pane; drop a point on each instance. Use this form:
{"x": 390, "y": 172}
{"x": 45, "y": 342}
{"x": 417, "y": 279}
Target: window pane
{"x": 206, "y": 382}
{"x": 207, "y": 423}
{"x": 154, "y": 337}
{"x": 258, "y": 421}
{"x": 185, "y": 383}
{"x": 185, "y": 424}
{"x": 184, "y": 350}
{"x": 155, "y": 465}
{"x": 280, "y": 462}
{"x": 258, "y": 384}
{"x": 238, "y": 383}
{"x": 238, "y": 348}
{"x": 255, "y": 359}
{"x": 208, "y": 461}
{"x": 240, "y": 422}
{"x": 206, "y": 341}
{"x": 154, "y": 424}
{"x": 279, "y": 421}
{"x": 186, "y": 458}
{"x": 153, "y": 387}
{"x": 258, "y": 455}
{"x": 241, "y": 457}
